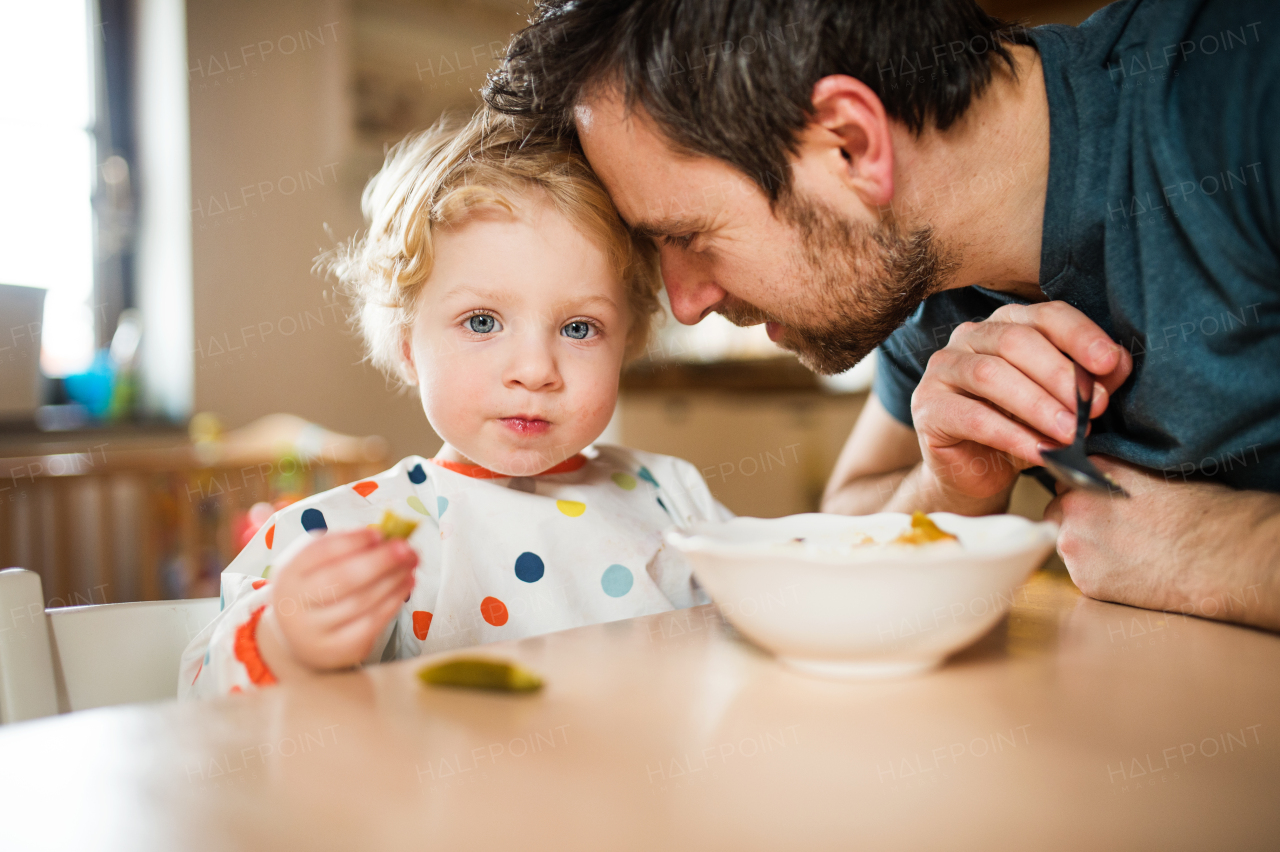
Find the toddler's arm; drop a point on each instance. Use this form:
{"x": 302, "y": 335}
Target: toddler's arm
{"x": 329, "y": 601}
{"x": 333, "y": 599}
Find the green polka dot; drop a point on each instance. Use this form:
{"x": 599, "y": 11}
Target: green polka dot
{"x": 624, "y": 480}
{"x": 266, "y": 571}
{"x": 416, "y": 505}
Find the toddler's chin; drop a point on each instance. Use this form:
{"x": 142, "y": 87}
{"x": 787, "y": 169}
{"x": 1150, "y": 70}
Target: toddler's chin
{"x": 524, "y": 461}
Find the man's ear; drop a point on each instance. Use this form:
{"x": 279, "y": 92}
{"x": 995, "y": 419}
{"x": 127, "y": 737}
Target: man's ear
{"x": 849, "y": 121}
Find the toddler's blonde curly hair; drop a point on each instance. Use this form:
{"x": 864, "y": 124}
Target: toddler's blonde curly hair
{"x": 441, "y": 176}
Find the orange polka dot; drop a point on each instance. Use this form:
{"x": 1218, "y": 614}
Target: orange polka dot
{"x": 258, "y": 584}
{"x": 494, "y": 611}
{"x": 364, "y": 489}
{"x": 421, "y": 623}
{"x": 271, "y": 536}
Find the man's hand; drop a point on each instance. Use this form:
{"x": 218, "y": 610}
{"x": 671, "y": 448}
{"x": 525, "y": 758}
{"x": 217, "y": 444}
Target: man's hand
{"x": 1002, "y": 387}
{"x": 333, "y": 597}
{"x": 1189, "y": 547}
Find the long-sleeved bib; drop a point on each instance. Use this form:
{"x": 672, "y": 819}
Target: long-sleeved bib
{"x": 499, "y": 557}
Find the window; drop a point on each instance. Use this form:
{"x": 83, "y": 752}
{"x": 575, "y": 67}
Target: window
{"x": 47, "y": 178}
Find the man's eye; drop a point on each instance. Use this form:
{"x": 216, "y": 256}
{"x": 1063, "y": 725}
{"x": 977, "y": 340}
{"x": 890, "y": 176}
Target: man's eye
{"x": 578, "y": 330}
{"x": 482, "y": 324}
{"x": 680, "y": 242}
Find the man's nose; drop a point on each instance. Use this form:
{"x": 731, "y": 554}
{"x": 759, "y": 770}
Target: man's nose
{"x": 532, "y": 364}
{"x": 692, "y": 292}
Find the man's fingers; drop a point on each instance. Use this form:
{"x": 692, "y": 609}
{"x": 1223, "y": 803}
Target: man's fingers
{"x": 1028, "y": 350}
{"x": 995, "y": 379}
{"x": 1113, "y": 380}
{"x": 1069, "y": 330}
{"x": 957, "y": 418}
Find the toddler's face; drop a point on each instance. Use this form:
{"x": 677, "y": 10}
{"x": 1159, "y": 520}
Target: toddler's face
{"x": 519, "y": 340}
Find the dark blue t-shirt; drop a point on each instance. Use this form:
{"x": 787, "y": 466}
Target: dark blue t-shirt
{"x": 1160, "y": 224}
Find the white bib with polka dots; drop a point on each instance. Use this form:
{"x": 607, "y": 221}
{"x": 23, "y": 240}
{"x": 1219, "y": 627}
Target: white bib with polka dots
{"x": 499, "y": 557}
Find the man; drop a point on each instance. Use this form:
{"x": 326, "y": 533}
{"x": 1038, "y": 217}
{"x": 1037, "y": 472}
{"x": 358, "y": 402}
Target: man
{"x": 986, "y": 204}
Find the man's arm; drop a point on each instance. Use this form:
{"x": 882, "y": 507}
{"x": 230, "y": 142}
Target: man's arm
{"x": 878, "y": 456}
{"x": 1189, "y": 547}
{"x": 880, "y": 470}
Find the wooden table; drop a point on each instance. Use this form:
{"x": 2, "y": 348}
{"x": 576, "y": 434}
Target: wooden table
{"x": 1073, "y": 725}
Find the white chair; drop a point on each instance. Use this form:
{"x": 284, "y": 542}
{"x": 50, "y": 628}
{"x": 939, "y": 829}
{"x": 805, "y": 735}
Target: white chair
{"x": 79, "y": 657}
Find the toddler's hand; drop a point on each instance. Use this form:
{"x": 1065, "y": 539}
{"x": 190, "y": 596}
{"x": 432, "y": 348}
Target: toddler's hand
{"x": 333, "y": 598}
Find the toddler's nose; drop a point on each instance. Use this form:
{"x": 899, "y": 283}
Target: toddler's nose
{"x": 532, "y": 365}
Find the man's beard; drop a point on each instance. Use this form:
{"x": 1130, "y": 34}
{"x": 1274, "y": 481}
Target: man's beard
{"x": 858, "y": 284}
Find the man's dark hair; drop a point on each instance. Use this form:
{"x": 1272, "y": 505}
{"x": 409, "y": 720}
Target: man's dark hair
{"x": 733, "y": 79}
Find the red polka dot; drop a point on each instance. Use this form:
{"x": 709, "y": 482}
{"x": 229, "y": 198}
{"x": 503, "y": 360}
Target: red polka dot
{"x": 494, "y": 611}
{"x": 271, "y": 536}
{"x": 258, "y": 584}
{"x": 364, "y": 489}
{"x": 421, "y": 623}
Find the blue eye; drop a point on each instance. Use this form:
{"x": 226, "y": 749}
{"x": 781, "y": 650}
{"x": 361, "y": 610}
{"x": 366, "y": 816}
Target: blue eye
{"x": 578, "y": 330}
{"x": 482, "y": 324}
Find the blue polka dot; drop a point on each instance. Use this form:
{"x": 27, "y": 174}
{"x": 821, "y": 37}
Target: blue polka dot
{"x": 312, "y": 519}
{"x": 442, "y": 503}
{"x": 417, "y": 475}
{"x": 529, "y": 567}
{"x": 644, "y": 474}
{"x": 616, "y": 580}
{"x": 206, "y": 658}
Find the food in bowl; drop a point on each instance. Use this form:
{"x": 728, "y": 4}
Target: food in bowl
{"x": 921, "y": 531}
{"x": 871, "y": 596}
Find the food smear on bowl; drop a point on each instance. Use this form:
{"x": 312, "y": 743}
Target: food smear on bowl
{"x": 923, "y": 531}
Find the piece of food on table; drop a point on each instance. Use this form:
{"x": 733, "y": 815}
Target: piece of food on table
{"x": 923, "y": 531}
{"x": 481, "y": 673}
{"x": 394, "y": 526}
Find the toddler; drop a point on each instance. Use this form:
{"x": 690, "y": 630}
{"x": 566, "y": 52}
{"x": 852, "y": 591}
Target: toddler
{"x": 498, "y": 279}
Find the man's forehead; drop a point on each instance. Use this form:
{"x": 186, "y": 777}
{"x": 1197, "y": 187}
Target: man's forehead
{"x": 653, "y": 185}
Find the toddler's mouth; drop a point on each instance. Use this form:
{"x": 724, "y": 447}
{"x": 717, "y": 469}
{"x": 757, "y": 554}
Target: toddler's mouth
{"x": 526, "y": 425}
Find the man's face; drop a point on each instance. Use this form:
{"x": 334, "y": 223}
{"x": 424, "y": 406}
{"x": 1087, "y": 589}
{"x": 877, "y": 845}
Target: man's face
{"x": 829, "y": 284}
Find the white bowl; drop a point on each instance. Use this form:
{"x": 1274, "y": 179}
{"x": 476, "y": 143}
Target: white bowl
{"x": 868, "y": 611}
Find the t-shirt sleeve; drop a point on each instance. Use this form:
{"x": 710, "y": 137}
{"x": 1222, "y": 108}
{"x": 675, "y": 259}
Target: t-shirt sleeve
{"x": 902, "y": 358}
{"x": 896, "y": 379}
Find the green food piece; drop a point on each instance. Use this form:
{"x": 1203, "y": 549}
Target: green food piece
{"x": 481, "y": 673}
{"x": 394, "y": 526}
